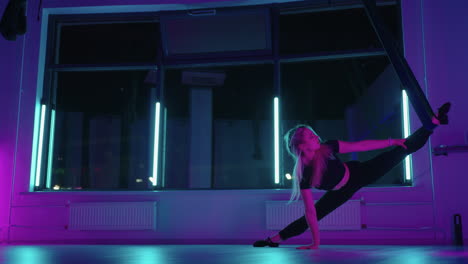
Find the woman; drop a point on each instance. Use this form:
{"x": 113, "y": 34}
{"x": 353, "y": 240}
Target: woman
{"x": 316, "y": 166}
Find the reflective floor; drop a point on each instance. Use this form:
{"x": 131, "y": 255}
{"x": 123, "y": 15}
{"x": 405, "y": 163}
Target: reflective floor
{"x": 238, "y": 254}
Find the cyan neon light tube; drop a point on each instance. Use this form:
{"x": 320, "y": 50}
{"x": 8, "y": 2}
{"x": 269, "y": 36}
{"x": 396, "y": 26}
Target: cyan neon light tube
{"x": 406, "y": 133}
{"x": 156, "y": 144}
{"x": 276, "y": 139}
{"x": 39, "y": 149}
{"x": 51, "y": 150}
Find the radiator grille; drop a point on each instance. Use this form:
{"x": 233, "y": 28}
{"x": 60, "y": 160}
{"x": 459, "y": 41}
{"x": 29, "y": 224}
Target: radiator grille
{"x": 346, "y": 217}
{"x": 113, "y": 216}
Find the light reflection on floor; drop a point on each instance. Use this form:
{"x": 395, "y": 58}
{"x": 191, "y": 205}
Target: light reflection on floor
{"x": 238, "y": 254}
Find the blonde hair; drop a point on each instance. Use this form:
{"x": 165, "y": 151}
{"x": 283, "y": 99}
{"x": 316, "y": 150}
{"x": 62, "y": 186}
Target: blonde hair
{"x": 293, "y": 138}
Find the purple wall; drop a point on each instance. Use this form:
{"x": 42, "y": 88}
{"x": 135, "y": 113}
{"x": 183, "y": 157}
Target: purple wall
{"x": 394, "y": 215}
{"x": 435, "y": 45}
{"x": 446, "y": 41}
{"x": 10, "y": 70}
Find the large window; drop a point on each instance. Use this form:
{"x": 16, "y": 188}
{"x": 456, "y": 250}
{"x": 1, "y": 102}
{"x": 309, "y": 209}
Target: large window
{"x": 153, "y": 101}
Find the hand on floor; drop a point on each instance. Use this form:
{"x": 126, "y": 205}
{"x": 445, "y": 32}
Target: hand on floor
{"x": 312, "y": 246}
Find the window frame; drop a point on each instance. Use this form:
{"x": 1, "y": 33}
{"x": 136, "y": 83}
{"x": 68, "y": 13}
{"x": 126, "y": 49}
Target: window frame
{"x": 55, "y": 21}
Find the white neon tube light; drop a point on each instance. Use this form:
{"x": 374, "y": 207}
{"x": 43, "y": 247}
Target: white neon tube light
{"x": 51, "y": 149}
{"x": 39, "y": 150}
{"x": 276, "y": 139}
{"x": 156, "y": 144}
{"x": 406, "y": 133}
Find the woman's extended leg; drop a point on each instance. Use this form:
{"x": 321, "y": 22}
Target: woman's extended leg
{"x": 375, "y": 168}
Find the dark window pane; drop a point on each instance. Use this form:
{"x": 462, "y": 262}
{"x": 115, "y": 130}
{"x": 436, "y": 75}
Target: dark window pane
{"x": 219, "y": 127}
{"x": 331, "y": 31}
{"x": 108, "y": 43}
{"x": 347, "y": 99}
{"x": 101, "y": 131}
{"x": 226, "y": 34}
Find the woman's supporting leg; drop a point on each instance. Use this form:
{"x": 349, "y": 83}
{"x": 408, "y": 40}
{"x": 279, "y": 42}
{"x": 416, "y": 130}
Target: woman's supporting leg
{"x": 327, "y": 203}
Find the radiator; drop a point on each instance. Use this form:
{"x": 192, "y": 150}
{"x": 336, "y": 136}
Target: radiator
{"x": 113, "y": 216}
{"x": 346, "y": 217}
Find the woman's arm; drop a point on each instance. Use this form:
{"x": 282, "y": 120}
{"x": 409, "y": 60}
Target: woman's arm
{"x": 366, "y": 145}
{"x": 311, "y": 216}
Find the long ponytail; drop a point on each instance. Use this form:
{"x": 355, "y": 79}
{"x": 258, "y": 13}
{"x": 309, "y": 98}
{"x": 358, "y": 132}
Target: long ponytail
{"x": 318, "y": 162}
{"x": 297, "y": 178}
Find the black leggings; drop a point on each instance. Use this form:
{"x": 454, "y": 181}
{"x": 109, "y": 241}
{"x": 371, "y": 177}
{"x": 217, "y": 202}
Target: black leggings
{"x": 360, "y": 175}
